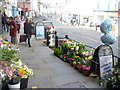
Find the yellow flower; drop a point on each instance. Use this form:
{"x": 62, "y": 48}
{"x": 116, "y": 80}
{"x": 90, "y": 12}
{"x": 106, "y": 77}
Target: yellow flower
{"x": 79, "y": 57}
{"x": 21, "y": 72}
{"x": 5, "y": 42}
{"x": 92, "y": 49}
{"x": 82, "y": 44}
{"x": 75, "y": 56}
{"x": 86, "y": 58}
{"x": 90, "y": 57}
{"x": 74, "y": 62}
{"x": 77, "y": 52}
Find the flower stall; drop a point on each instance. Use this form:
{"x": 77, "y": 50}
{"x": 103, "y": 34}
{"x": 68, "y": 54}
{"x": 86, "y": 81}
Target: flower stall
{"x": 12, "y": 72}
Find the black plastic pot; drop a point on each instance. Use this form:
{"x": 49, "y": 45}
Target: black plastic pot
{"x": 24, "y": 83}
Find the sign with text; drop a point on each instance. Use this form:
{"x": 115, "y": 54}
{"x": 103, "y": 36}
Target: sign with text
{"x": 105, "y": 55}
{"x": 106, "y": 64}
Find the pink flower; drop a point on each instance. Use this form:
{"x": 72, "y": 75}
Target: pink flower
{"x": 70, "y": 58}
{"x": 0, "y": 66}
{"x": 10, "y": 73}
{"x": 60, "y": 44}
{"x": 85, "y": 67}
{"x": 0, "y": 42}
{"x": 2, "y": 62}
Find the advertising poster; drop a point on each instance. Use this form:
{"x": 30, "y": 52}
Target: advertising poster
{"x": 40, "y": 32}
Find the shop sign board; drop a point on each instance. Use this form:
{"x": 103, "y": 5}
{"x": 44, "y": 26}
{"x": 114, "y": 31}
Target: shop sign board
{"x": 39, "y": 30}
{"x": 105, "y": 54}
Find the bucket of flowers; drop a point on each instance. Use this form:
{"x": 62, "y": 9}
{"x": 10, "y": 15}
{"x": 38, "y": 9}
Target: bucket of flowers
{"x": 20, "y": 76}
{"x": 24, "y": 78}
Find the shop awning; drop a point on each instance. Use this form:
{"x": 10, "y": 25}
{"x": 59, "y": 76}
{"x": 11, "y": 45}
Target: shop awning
{"x": 24, "y": 9}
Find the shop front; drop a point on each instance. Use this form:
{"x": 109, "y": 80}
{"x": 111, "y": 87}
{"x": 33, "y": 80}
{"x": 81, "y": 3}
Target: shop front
{"x": 2, "y": 9}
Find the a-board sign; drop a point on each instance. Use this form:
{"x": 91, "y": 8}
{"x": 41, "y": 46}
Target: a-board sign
{"x": 39, "y": 30}
{"x": 105, "y": 55}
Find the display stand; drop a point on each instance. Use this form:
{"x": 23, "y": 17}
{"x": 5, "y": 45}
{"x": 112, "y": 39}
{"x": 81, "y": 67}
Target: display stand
{"x": 103, "y": 61}
{"x": 39, "y": 34}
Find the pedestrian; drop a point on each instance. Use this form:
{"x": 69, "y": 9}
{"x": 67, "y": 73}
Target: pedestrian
{"x": 7, "y": 25}
{"x": 13, "y": 31}
{"x": 4, "y": 20}
{"x": 28, "y": 29}
{"x": 17, "y": 19}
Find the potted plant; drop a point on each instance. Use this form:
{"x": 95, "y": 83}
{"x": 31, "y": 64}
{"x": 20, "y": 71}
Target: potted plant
{"x": 76, "y": 62}
{"x": 58, "y": 52}
{"x": 86, "y": 68}
{"x": 20, "y": 77}
{"x": 81, "y": 63}
{"x": 70, "y": 56}
{"x": 25, "y": 76}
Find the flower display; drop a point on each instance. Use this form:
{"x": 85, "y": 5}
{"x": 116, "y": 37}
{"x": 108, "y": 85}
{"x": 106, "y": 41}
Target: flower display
{"x": 11, "y": 68}
{"x": 76, "y": 54}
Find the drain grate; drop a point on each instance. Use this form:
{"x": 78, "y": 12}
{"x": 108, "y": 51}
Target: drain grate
{"x": 72, "y": 85}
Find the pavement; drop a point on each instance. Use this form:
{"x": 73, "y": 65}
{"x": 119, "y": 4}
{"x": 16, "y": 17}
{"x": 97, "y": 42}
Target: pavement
{"x": 50, "y": 71}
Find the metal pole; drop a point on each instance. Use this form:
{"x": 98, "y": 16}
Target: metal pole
{"x": 47, "y": 38}
{"x": 66, "y": 36}
{"x": 55, "y": 33}
{"x": 56, "y": 41}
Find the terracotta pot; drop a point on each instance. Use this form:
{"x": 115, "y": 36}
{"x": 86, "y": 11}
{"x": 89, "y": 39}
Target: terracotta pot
{"x": 71, "y": 63}
{"x": 86, "y": 73}
{"x": 80, "y": 70}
